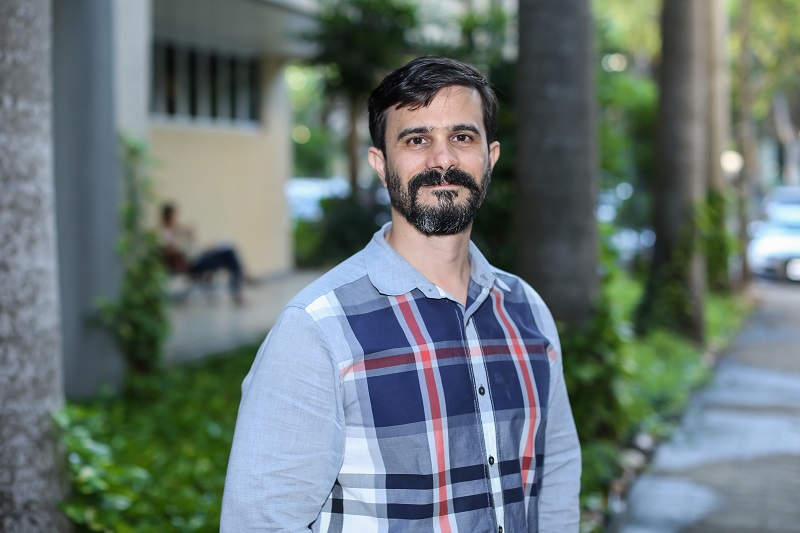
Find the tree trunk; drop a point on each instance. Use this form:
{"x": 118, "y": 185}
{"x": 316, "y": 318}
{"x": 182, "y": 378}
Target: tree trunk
{"x": 557, "y": 164}
{"x": 30, "y": 344}
{"x": 745, "y": 138}
{"x": 718, "y": 137}
{"x": 787, "y": 135}
{"x": 676, "y": 287}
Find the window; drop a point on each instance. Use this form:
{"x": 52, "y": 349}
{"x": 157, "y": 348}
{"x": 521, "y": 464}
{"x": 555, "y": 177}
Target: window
{"x": 206, "y": 86}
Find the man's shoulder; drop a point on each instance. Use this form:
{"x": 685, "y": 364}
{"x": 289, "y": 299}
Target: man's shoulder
{"x": 345, "y": 273}
{"x": 521, "y": 291}
{"x": 512, "y": 282}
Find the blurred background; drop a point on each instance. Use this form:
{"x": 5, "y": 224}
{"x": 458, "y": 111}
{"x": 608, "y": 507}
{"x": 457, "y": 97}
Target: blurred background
{"x": 648, "y": 182}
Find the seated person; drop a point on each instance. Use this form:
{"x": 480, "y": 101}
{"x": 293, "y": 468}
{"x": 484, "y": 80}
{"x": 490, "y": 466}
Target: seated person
{"x": 176, "y": 241}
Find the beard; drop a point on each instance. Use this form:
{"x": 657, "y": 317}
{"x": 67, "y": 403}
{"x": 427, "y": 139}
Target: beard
{"x": 446, "y": 217}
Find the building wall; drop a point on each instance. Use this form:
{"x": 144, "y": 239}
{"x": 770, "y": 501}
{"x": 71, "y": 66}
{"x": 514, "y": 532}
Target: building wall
{"x": 228, "y": 181}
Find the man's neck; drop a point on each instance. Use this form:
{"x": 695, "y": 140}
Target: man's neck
{"x": 443, "y": 260}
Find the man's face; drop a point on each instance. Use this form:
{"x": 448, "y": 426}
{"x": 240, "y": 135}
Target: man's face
{"x": 438, "y": 162}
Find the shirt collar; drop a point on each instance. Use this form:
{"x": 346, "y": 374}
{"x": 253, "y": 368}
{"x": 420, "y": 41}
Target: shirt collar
{"x": 392, "y": 275}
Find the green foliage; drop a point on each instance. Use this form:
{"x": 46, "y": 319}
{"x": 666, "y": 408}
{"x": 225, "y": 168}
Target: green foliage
{"x": 346, "y": 226}
{"x": 627, "y": 128}
{"x": 154, "y": 459}
{"x": 312, "y": 156}
{"x": 630, "y": 27}
{"x": 621, "y": 385}
{"x": 103, "y": 491}
{"x": 138, "y": 319}
{"x": 672, "y": 300}
{"x": 591, "y": 369}
{"x": 360, "y": 41}
{"x": 660, "y": 371}
{"x": 718, "y": 242}
{"x": 774, "y": 51}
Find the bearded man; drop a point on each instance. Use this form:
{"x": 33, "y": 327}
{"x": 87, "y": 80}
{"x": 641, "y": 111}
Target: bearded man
{"x": 414, "y": 387}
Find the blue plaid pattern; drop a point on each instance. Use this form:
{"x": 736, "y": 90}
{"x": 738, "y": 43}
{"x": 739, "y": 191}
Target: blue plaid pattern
{"x": 444, "y": 407}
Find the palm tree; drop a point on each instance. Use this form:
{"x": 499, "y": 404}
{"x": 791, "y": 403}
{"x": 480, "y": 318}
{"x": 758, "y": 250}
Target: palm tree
{"x": 676, "y": 286}
{"x": 746, "y": 137}
{"x": 360, "y": 41}
{"x": 557, "y": 162}
{"x": 30, "y": 343}
{"x": 717, "y": 241}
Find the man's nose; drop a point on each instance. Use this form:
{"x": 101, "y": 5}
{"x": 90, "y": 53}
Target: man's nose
{"x": 443, "y": 157}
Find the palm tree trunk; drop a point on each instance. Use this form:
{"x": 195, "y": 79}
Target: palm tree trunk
{"x": 745, "y": 138}
{"x": 557, "y": 162}
{"x": 718, "y": 136}
{"x": 676, "y": 286}
{"x": 31, "y": 385}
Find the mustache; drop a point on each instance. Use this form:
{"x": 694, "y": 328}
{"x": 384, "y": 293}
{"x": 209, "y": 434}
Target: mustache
{"x": 454, "y": 176}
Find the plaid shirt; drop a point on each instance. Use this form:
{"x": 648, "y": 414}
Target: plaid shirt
{"x": 379, "y": 403}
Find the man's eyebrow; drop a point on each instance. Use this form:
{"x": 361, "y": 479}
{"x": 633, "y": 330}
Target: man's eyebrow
{"x": 466, "y": 127}
{"x": 413, "y": 131}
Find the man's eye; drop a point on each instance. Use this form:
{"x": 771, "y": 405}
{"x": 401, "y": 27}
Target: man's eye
{"x": 463, "y": 137}
{"x": 416, "y": 140}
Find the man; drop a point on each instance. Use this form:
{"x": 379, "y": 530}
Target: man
{"x": 414, "y": 387}
{"x": 177, "y": 241}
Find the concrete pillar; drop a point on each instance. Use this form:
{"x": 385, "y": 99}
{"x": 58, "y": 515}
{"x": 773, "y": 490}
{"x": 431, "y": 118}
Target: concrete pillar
{"x": 132, "y": 56}
{"x": 87, "y": 187}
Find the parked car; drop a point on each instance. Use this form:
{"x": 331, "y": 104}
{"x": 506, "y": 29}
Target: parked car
{"x": 305, "y": 194}
{"x": 783, "y": 204}
{"x": 774, "y": 250}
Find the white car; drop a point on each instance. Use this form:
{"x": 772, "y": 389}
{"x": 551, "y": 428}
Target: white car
{"x": 783, "y": 203}
{"x": 305, "y": 194}
{"x": 774, "y": 250}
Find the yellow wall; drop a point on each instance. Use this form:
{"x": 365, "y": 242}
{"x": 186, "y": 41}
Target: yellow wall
{"x": 228, "y": 182}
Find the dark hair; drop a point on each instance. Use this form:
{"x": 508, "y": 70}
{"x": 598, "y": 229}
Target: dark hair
{"x": 167, "y": 211}
{"x": 415, "y": 85}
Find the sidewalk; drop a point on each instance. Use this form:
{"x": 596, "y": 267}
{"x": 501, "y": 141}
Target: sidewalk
{"x": 734, "y": 464}
{"x": 208, "y": 322}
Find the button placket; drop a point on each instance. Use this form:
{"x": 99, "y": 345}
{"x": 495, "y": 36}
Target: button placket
{"x": 487, "y": 415}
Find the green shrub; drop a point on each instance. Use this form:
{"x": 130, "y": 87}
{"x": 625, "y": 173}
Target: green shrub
{"x": 630, "y": 384}
{"x": 154, "y": 459}
{"x": 137, "y": 318}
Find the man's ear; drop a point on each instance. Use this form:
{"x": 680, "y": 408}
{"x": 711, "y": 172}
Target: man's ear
{"x": 378, "y": 161}
{"x": 494, "y": 153}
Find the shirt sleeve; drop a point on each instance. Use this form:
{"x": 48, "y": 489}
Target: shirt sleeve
{"x": 559, "y": 500}
{"x": 289, "y": 438}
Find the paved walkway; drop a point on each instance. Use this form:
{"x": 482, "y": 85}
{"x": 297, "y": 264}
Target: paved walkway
{"x": 734, "y": 464}
{"x": 206, "y": 321}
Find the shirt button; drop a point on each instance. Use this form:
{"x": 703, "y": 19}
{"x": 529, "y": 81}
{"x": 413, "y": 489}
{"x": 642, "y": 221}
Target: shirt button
{"x": 500, "y": 529}
{"x": 481, "y": 390}
{"x": 491, "y": 460}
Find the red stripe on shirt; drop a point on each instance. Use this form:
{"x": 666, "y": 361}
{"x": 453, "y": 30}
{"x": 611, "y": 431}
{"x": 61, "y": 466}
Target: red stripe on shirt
{"x": 516, "y": 345}
{"x": 436, "y": 412}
